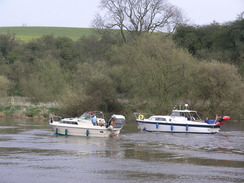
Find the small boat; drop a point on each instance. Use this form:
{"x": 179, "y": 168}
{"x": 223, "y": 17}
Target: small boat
{"x": 88, "y": 124}
{"x": 181, "y": 121}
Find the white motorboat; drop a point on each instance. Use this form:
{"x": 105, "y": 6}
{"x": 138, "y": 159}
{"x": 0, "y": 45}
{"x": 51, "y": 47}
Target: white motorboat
{"x": 89, "y": 124}
{"x": 182, "y": 121}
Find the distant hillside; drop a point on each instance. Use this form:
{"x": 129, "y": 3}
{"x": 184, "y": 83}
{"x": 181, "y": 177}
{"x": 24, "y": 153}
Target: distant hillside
{"x": 29, "y": 33}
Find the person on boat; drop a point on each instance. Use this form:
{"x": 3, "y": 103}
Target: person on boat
{"x": 110, "y": 123}
{"x": 192, "y": 119}
{"x": 94, "y": 120}
{"x": 220, "y": 119}
{"x": 208, "y": 121}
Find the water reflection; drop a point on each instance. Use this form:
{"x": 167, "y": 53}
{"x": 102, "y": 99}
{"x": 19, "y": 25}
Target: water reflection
{"x": 33, "y": 150}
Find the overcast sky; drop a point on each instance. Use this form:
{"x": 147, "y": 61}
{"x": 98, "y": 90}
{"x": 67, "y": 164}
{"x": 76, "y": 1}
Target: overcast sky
{"x": 80, "y": 13}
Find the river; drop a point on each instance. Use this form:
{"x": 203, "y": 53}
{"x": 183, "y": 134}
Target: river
{"x": 30, "y": 152}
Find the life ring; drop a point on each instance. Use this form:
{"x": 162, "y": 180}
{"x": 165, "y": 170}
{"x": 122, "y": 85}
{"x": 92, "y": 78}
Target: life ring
{"x": 141, "y": 116}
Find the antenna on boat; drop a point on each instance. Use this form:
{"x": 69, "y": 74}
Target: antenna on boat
{"x": 186, "y": 106}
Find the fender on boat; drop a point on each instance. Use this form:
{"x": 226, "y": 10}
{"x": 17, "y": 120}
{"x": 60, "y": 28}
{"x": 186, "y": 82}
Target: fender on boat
{"x": 223, "y": 120}
{"x": 87, "y": 132}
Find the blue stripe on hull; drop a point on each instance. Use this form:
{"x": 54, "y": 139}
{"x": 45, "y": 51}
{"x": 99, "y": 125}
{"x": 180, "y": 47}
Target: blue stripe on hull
{"x": 177, "y": 124}
{"x": 182, "y": 132}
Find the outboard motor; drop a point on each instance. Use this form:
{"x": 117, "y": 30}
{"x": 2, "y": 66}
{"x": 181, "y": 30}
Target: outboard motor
{"x": 116, "y": 121}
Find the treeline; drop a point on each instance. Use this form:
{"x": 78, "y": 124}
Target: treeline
{"x": 224, "y": 42}
{"x": 149, "y": 73}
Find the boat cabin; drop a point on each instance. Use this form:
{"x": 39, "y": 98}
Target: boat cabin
{"x": 95, "y": 117}
{"x": 188, "y": 114}
{"x": 160, "y": 118}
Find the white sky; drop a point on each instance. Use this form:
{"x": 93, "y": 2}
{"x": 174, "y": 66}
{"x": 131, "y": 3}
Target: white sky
{"x": 80, "y": 13}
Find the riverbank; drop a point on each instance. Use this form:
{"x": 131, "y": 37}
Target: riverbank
{"x": 21, "y": 107}
{"x": 27, "y": 111}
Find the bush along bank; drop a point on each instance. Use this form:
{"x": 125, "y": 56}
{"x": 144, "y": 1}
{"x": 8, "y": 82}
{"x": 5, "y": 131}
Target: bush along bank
{"x": 27, "y": 111}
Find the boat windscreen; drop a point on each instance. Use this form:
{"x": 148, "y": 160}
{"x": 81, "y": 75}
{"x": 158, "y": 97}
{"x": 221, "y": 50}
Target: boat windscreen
{"x": 188, "y": 115}
{"x": 85, "y": 116}
{"x": 195, "y": 116}
{"x": 88, "y": 115}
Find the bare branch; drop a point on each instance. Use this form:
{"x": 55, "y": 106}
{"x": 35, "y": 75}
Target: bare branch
{"x": 139, "y": 16}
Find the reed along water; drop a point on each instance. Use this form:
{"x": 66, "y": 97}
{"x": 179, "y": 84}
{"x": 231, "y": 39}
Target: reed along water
{"x": 30, "y": 152}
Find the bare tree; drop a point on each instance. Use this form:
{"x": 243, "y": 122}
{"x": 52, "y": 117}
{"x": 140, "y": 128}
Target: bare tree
{"x": 240, "y": 16}
{"x": 138, "y": 16}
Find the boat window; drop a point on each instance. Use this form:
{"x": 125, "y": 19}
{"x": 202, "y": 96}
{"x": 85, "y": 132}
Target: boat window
{"x": 160, "y": 119}
{"x": 69, "y": 122}
{"x": 88, "y": 115}
{"x": 187, "y": 115}
{"x": 175, "y": 114}
{"x": 85, "y": 116}
{"x": 195, "y": 116}
{"x": 182, "y": 114}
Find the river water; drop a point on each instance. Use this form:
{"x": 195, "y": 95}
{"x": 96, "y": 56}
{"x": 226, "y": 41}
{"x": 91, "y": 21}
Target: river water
{"x": 30, "y": 152}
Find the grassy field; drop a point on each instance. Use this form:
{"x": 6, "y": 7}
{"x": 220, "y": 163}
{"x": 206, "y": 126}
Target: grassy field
{"x": 28, "y": 33}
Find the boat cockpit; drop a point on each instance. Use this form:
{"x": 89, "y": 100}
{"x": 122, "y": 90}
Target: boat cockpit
{"x": 189, "y": 115}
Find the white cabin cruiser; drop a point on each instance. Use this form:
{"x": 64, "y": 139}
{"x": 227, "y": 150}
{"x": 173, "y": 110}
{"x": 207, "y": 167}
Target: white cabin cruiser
{"x": 89, "y": 124}
{"x": 184, "y": 121}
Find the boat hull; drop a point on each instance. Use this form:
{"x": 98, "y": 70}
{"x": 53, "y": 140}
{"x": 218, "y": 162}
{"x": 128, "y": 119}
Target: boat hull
{"x": 177, "y": 127}
{"x": 91, "y": 123}
{"x": 81, "y": 131}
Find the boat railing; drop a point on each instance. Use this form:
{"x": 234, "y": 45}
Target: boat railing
{"x": 139, "y": 115}
{"x": 55, "y": 118}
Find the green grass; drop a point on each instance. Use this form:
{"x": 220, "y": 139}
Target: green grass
{"x": 28, "y": 111}
{"x": 28, "y": 33}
